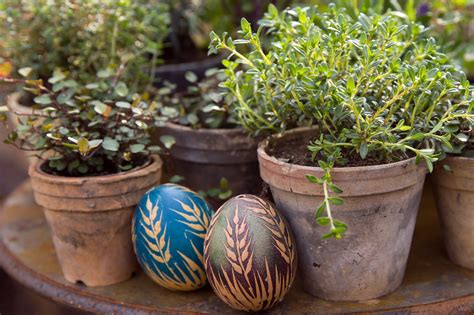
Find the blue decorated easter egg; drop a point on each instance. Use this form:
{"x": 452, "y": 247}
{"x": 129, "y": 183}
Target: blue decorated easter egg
{"x": 250, "y": 254}
{"x": 168, "y": 231}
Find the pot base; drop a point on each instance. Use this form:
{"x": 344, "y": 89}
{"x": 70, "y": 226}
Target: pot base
{"x": 93, "y": 249}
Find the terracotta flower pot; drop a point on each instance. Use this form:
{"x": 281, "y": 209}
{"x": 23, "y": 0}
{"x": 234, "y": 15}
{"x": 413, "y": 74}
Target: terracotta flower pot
{"x": 90, "y": 219}
{"x": 204, "y": 156}
{"x": 454, "y": 196}
{"x": 380, "y": 207}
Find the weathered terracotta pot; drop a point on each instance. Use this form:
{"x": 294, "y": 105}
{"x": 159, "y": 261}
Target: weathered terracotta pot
{"x": 454, "y": 196}
{"x": 204, "y": 156}
{"x": 90, "y": 219}
{"x": 380, "y": 207}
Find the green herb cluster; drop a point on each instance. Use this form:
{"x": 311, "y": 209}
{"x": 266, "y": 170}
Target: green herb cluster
{"x": 93, "y": 129}
{"x": 83, "y": 37}
{"x": 204, "y": 104}
{"x": 376, "y": 86}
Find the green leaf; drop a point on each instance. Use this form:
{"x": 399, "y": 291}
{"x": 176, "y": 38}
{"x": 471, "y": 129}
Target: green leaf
{"x": 320, "y": 210}
{"x": 92, "y": 86}
{"x": 462, "y": 137}
{"x": 154, "y": 149}
{"x": 137, "y": 148}
{"x": 335, "y": 188}
{"x": 168, "y": 141}
{"x": 313, "y": 179}
{"x": 224, "y": 184}
{"x": 225, "y": 195}
{"x": 350, "y": 85}
{"x": 43, "y": 99}
{"x": 111, "y": 144}
{"x": 336, "y": 201}
{"x": 25, "y": 72}
{"x": 83, "y": 145}
{"x": 106, "y": 73}
{"x": 99, "y": 107}
{"x": 323, "y": 221}
{"x": 191, "y": 77}
{"x": 123, "y": 104}
{"x": 364, "y": 150}
{"x": 176, "y": 179}
{"x": 121, "y": 89}
{"x": 95, "y": 143}
{"x": 213, "y": 192}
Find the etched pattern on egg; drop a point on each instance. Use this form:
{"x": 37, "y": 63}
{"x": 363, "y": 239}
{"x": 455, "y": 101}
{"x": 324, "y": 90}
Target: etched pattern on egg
{"x": 169, "y": 229}
{"x": 250, "y": 254}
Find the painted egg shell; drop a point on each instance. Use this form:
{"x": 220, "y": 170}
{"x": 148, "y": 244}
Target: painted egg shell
{"x": 168, "y": 231}
{"x": 250, "y": 254}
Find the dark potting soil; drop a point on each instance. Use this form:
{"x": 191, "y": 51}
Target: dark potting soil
{"x": 295, "y": 151}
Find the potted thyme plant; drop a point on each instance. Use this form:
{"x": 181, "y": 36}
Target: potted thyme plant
{"x": 78, "y": 39}
{"x": 96, "y": 162}
{"x": 366, "y": 90}
{"x": 453, "y": 181}
{"x": 209, "y": 141}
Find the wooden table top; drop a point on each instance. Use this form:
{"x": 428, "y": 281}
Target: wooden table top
{"x": 432, "y": 285}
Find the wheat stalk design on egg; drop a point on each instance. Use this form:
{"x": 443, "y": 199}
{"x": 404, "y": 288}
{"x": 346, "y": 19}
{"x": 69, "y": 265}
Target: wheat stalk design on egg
{"x": 283, "y": 241}
{"x": 255, "y": 291}
{"x": 160, "y": 251}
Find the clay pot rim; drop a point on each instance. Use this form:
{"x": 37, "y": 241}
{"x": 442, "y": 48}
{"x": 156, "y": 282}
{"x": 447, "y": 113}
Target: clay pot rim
{"x": 154, "y": 162}
{"x": 458, "y": 158}
{"x": 263, "y": 145}
{"x": 14, "y": 105}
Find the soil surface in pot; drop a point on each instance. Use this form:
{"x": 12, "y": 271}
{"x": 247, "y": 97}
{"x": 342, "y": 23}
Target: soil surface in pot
{"x": 295, "y": 151}
{"x": 109, "y": 168}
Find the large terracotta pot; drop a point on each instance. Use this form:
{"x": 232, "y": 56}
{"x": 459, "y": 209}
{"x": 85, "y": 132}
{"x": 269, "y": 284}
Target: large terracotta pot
{"x": 90, "y": 219}
{"x": 380, "y": 207}
{"x": 454, "y": 196}
{"x": 204, "y": 156}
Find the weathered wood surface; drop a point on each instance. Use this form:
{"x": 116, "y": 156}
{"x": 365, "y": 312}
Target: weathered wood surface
{"x": 432, "y": 285}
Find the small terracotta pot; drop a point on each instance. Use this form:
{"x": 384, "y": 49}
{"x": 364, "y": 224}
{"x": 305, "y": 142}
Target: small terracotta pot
{"x": 90, "y": 219}
{"x": 204, "y": 156}
{"x": 454, "y": 196}
{"x": 380, "y": 207}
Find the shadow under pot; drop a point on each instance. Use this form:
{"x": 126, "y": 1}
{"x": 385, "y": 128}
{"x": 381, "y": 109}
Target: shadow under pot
{"x": 380, "y": 208}
{"x": 205, "y": 156}
{"x": 90, "y": 220}
{"x": 454, "y": 196}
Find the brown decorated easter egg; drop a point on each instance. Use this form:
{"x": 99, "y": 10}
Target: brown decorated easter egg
{"x": 250, "y": 254}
